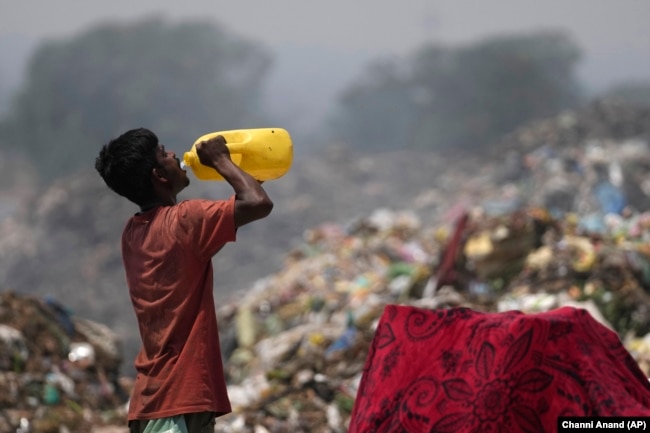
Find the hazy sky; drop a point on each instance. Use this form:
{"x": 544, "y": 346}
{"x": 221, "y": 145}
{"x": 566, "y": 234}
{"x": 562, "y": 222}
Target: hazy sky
{"x": 614, "y": 34}
{"x": 603, "y": 27}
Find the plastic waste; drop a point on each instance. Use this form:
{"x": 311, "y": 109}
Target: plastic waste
{"x": 610, "y": 198}
{"x": 82, "y": 355}
{"x": 245, "y": 327}
{"x": 51, "y": 395}
{"x": 345, "y": 341}
{"x": 62, "y": 313}
{"x": 14, "y": 348}
{"x": 24, "y": 426}
{"x": 264, "y": 153}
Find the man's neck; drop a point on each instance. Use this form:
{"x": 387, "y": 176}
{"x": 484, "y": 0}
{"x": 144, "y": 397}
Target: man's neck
{"x": 147, "y": 206}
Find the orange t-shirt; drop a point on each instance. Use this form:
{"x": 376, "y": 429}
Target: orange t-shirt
{"x": 167, "y": 254}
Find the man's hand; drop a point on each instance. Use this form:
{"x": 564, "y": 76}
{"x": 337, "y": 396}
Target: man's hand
{"x": 251, "y": 201}
{"x": 212, "y": 151}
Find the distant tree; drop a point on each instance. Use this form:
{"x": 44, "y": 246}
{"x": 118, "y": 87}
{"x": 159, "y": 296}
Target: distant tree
{"x": 180, "y": 80}
{"x": 634, "y": 92}
{"x": 377, "y": 111}
{"x": 4, "y": 93}
{"x": 463, "y": 97}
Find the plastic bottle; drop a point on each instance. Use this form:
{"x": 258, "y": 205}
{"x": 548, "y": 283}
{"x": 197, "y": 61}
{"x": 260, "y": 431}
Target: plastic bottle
{"x": 264, "y": 153}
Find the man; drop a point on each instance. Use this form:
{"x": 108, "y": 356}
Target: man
{"x": 167, "y": 248}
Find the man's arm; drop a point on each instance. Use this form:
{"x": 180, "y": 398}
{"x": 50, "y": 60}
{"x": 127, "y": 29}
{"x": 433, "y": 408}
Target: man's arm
{"x": 251, "y": 201}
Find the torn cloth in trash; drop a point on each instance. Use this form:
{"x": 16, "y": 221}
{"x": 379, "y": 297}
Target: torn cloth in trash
{"x": 460, "y": 370}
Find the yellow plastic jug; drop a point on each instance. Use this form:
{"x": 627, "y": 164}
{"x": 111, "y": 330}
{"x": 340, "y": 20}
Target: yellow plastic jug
{"x": 264, "y": 153}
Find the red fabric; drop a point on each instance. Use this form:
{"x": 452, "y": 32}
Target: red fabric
{"x": 463, "y": 371}
{"x": 167, "y": 256}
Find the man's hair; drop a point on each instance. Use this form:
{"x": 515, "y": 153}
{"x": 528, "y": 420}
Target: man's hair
{"x": 126, "y": 163}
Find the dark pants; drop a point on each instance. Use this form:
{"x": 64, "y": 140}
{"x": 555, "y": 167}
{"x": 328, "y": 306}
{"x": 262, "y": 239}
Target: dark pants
{"x": 201, "y": 422}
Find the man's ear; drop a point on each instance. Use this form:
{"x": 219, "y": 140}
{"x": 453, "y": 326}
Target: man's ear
{"x": 158, "y": 175}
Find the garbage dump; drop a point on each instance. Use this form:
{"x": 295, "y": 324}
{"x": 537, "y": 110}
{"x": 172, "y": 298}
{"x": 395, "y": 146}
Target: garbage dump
{"x": 564, "y": 220}
{"x": 568, "y": 227}
{"x": 57, "y": 371}
{"x": 297, "y": 342}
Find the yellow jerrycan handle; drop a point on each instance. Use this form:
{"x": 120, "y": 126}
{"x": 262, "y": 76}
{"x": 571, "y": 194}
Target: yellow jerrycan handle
{"x": 191, "y": 158}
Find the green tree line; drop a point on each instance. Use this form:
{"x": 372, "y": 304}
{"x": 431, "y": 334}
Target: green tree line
{"x": 180, "y": 80}
{"x": 183, "y": 80}
{"x": 460, "y": 97}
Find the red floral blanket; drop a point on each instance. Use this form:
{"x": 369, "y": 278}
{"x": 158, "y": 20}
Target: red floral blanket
{"x": 459, "y": 370}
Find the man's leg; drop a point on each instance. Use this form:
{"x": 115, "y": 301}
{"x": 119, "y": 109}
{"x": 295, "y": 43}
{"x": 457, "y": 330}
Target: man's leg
{"x": 201, "y": 422}
{"x": 137, "y": 426}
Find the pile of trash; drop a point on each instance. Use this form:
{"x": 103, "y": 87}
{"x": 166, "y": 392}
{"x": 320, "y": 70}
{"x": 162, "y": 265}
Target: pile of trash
{"x": 591, "y": 161}
{"x": 295, "y": 345}
{"x": 57, "y": 371}
{"x": 563, "y": 219}
{"x": 568, "y": 224}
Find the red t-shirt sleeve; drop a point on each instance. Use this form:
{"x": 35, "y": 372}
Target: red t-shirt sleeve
{"x": 207, "y": 225}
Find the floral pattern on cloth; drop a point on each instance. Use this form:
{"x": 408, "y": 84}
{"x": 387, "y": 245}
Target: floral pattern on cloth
{"x": 460, "y": 370}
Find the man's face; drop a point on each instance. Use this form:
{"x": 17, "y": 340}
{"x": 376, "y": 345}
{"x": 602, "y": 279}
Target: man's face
{"x": 172, "y": 169}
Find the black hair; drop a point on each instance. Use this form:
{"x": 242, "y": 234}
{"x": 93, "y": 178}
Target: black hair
{"x": 126, "y": 163}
